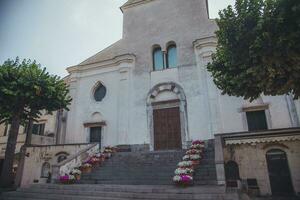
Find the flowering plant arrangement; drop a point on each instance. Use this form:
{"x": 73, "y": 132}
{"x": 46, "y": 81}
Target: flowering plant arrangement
{"x": 185, "y": 164}
{"x": 191, "y": 157}
{"x": 194, "y": 151}
{"x": 198, "y": 142}
{"x": 67, "y": 179}
{"x": 86, "y": 165}
{"x": 195, "y": 157}
{"x": 86, "y": 168}
{"x": 110, "y": 149}
{"x": 197, "y": 146}
{"x": 183, "y": 180}
{"x": 181, "y": 171}
{"x": 93, "y": 160}
{"x": 75, "y": 172}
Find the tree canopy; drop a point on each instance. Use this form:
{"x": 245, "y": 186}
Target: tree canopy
{"x": 258, "y": 49}
{"x": 25, "y": 90}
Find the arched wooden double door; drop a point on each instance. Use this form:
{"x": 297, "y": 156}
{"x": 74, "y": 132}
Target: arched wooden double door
{"x": 279, "y": 173}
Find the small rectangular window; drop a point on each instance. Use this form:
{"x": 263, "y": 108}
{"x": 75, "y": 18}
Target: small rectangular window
{"x": 6, "y": 129}
{"x": 257, "y": 120}
{"x": 38, "y": 129}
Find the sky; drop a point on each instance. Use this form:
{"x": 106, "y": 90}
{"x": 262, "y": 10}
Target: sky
{"x": 62, "y": 33}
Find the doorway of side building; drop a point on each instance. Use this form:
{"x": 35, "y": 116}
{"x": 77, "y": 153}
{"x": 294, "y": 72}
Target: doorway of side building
{"x": 95, "y": 135}
{"x": 167, "y": 129}
{"x": 279, "y": 173}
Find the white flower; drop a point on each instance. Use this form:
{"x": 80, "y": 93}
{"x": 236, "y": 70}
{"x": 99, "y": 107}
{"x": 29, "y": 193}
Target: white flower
{"x": 197, "y": 146}
{"x": 71, "y": 177}
{"x": 185, "y": 164}
{"x": 180, "y": 171}
{"x": 195, "y": 157}
{"x": 76, "y": 171}
{"x": 176, "y": 178}
{"x": 186, "y": 157}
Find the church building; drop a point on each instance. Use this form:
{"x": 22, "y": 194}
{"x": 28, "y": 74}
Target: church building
{"x": 151, "y": 92}
{"x": 151, "y": 89}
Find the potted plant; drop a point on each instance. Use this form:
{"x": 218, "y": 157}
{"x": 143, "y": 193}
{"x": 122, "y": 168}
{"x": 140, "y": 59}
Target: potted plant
{"x": 183, "y": 180}
{"x": 67, "y": 179}
{"x": 76, "y": 173}
{"x": 185, "y": 164}
{"x": 86, "y": 168}
{"x": 184, "y": 171}
{"x": 195, "y": 158}
{"x": 94, "y": 161}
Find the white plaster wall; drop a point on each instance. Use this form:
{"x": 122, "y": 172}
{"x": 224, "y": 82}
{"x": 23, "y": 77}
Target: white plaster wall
{"x": 124, "y": 108}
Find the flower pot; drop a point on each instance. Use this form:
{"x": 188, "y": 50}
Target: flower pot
{"x": 67, "y": 182}
{"x": 86, "y": 169}
{"x": 77, "y": 177}
{"x": 196, "y": 163}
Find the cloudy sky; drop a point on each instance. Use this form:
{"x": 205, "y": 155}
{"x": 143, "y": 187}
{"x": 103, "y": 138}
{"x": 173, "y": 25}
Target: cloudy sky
{"x": 62, "y": 33}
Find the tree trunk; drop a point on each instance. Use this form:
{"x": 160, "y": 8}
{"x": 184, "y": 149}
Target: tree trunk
{"x": 19, "y": 175}
{"x": 6, "y": 179}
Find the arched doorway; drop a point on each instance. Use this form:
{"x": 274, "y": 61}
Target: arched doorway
{"x": 167, "y": 117}
{"x": 279, "y": 173}
{"x": 232, "y": 174}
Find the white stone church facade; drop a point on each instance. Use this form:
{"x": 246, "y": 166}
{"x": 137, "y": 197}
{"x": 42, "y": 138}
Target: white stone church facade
{"x": 120, "y": 94}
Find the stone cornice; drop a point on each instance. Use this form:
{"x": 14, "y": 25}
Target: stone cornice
{"x": 268, "y": 136}
{"x": 133, "y": 4}
{"x": 206, "y": 46}
{"x": 126, "y": 58}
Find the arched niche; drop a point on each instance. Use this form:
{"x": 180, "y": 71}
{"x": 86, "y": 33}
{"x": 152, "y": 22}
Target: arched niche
{"x": 166, "y": 95}
{"x": 45, "y": 170}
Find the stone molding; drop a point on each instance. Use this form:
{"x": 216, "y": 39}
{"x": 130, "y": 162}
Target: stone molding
{"x": 270, "y": 139}
{"x": 206, "y": 46}
{"x": 126, "y": 58}
{"x": 153, "y": 93}
{"x": 133, "y": 3}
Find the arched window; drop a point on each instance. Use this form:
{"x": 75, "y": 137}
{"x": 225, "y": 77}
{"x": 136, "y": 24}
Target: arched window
{"x": 100, "y": 92}
{"x": 158, "y": 59}
{"x": 45, "y": 170}
{"x": 232, "y": 174}
{"x": 172, "y": 56}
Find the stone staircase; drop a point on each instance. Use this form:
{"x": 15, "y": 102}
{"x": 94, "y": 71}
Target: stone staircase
{"x": 136, "y": 168}
{"x": 150, "y": 168}
{"x": 135, "y": 175}
{"x": 206, "y": 173}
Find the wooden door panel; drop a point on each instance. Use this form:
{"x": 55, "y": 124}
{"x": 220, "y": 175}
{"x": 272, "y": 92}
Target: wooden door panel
{"x": 167, "y": 129}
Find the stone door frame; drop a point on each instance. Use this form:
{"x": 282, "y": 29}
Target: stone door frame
{"x": 181, "y": 103}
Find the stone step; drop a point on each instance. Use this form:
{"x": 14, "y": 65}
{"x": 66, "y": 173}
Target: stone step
{"x": 132, "y": 188}
{"x": 118, "y": 192}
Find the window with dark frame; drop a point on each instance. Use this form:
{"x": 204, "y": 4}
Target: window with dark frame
{"x": 38, "y": 129}
{"x": 100, "y": 92}
{"x": 164, "y": 60}
{"x": 5, "y": 129}
{"x": 172, "y": 56}
{"x": 158, "y": 59}
{"x": 257, "y": 120}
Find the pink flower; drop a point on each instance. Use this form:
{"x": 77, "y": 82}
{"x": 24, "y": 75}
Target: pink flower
{"x": 186, "y": 178}
{"x": 64, "y": 178}
{"x": 197, "y": 142}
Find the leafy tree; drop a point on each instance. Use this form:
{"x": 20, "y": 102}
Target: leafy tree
{"x": 25, "y": 90}
{"x": 258, "y": 49}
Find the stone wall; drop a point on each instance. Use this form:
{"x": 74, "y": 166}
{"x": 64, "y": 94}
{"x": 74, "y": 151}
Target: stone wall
{"x": 36, "y": 139}
{"x": 37, "y": 156}
{"x": 252, "y": 162}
